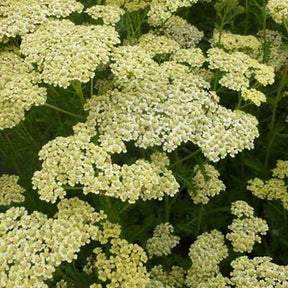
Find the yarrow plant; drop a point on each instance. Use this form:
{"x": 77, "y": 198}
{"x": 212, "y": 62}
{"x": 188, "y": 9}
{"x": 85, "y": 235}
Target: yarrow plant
{"x": 143, "y": 144}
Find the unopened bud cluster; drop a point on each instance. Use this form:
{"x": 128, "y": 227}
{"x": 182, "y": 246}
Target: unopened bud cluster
{"x": 163, "y": 241}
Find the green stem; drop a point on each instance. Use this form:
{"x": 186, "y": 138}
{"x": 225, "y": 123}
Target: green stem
{"x": 78, "y": 89}
{"x": 91, "y": 88}
{"x": 271, "y": 135}
{"x": 30, "y": 136}
{"x": 185, "y": 158}
{"x": 239, "y": 101}
{"x": 200, "y": 219}
{"x": 110, "y": 210}
{"x": 72, "y": 188}
{"x": 124, "y": 208}
{"x": 167, "y": 208}
{"x": 247, "y": 8}
{"x": 265, "y": 45}
{"x": 13, "y": 159}
{"x": 140, "y": 21}
{"x": 63, "y": 111}
{"x": 279, "y": 95}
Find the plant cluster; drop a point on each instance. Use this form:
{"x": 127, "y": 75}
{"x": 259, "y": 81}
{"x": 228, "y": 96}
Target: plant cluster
{"x": 143, "y": 143}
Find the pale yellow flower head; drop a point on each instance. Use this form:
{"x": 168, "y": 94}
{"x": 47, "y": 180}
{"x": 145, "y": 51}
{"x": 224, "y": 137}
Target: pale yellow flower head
{"x": 161, "y": 11}
{"x": 207, "y": 184}
{"x": 19, "y": 17}
{"x": 18, "y": 89}
{"x": 278, "y": 9}
{"x": 32, "y": 246}
{"x": 181, "y": 31}
{"x": 258, "y": 272}
{"x": 274, "y": 188}
{"x": 124, "y": 267}
{"x": 110, "y": 14}
{"x": 206, "y": 253}
{"x": 166, "y": 104}
{"x": 10, "y": 191}
{"x": 246, "y": 228}
{"x": 65, "y": 52}
{"x": 239, "y": 69}
{"x": 163, "y": 241}
{"x": 74, "y": 160}
{"x": 159, "y": 278}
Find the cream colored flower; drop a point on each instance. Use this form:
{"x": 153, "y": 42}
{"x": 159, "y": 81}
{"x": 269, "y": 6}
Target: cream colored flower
{"x": 163, "y": 241}
{"x": 274, "y": 188}
{"x": 75, "y": 160}
{"x": 10, "y": 191}
{"x": 32, "y": 246}
{"x": 246, "y": 229}
{"x": 206, "y": 253}
{"x": 19, "y": 17}
{"x": 110, "y": 14}
{"x": 159, "y": 278}
{"x": 207, "y": 184}
{"x": 65, "y": 52}
{"x": 18, "y": 89}
{"x": 258, "y": 272}
{"x": 278, "y": 10}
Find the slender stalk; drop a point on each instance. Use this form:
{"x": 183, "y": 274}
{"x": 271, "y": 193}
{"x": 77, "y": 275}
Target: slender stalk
{"x": 247, "y": 8}
{"x": 72, "y": 188}
{"x": 279, "y": 94}
{"x": 167, "y": 208}
{"x": 91, "y": 88}
{"x": 185, "y": 158}
{"x": 272, "y": 135}
{"x": 78, "y": 89}
{"x": 30, "y": 136}
{"x": 63, "y": 111}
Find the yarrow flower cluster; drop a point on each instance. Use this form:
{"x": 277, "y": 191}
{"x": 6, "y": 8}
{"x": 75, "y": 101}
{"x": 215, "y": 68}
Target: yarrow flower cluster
{"x": 18, "y": 89}
{"x": 277, "y": 53}
{"x": 206, "y": 253}
{"x": 159, "y": 278}
{"x": 161, "y": 11}
{"x": 193, "y": 57}
{"x": 65, "y": 52}
{"x": 235, "y": 42}
{"x": 19, "y": 17}
{"x": 258, "y": 272}
{"x": 123, "y": 268}
{"x": 110, "y": 14}
{"x": 278, "y": 9}
{"x": 275, "y": 188}
{"x": 239, "y": 69}
{"x": 166, "y": 105}
{"x": 246, "y": 229}
{"x": 75, "y": 160}
{"x": 207, "y": 184}
{"x": 253, "y": 95}
{"x": 178, "y": 29}
{"x": 268, "y": 47}
{"x": 32, "y": 246}
{"x": 129, "y": 5}
{"x": 10, "y": 191}
{"x": 163, "y": 241}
